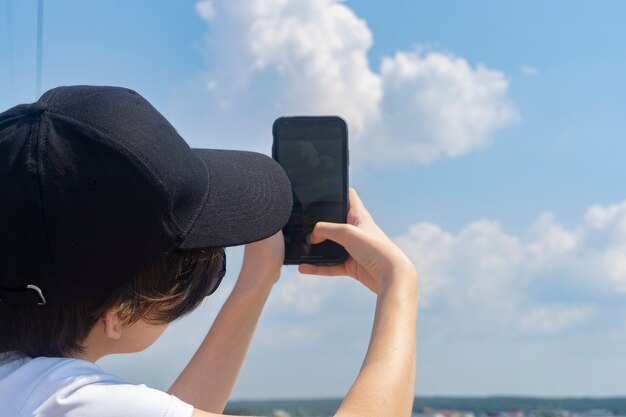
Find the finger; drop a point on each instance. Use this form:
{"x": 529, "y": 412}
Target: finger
{"x": 326, "y": 270}
{"x": 337, "y": 232}
{"x": 357, "y": 212}
{"x": 355, "y": 200}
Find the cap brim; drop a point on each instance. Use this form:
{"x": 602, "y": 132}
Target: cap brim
{"x": 249, "y": 199}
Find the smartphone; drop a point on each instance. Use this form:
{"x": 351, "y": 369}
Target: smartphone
{"x": 313, "y": 150}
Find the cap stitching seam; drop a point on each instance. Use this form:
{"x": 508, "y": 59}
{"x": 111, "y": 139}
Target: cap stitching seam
{"x": 41, "y": 199}
{"x": 264, "y": 214}
{"x": 242, "y": 215}
{"x": 40, "y": 148}
{"x": 128, "y": 152}
{"x": 49, "y": 100}
{"x": 106, "y": 132}
{"x": 205, "y": 200}
{"x": 41, "y": 184}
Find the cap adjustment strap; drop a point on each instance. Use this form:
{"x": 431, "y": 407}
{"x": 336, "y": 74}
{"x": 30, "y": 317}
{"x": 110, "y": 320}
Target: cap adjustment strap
{"x": 32, "y": 294}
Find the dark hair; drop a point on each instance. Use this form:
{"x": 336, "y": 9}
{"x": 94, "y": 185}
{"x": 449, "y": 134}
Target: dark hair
{"x": 156, "y": 295}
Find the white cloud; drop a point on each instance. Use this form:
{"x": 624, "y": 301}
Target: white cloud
{"x": 549, "y": 279}
{"x": 268, "y": 58}
{"x": 438, "y": 105}
{"x": 302, "y": 294}
{"x": 305, "y": 57}
{"x": 548, "y": 320}
{"x": 610, "y": 258}
{"x": 205, "y": 9}
{"x": 529, "y": 70}
{"x": 290, "y": 334}
{"x": 476, "y": 264}
{"x": 613, "y": 262}
{"x": 485, "y": 281}
{"x": 547, "y": 241}
{"x": 601, "y": 217}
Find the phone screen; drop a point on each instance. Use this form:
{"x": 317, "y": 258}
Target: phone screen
{"x": 313, "y": 152}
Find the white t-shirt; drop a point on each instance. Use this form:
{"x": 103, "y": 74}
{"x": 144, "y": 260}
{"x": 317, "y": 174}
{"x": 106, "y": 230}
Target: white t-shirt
{"x": 55, "y": 387}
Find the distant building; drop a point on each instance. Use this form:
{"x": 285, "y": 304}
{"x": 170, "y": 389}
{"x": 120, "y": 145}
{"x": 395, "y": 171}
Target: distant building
{"x": 515, "y": 412}
{"x": 431, "y": 412}
{"x": 598, "y": 413}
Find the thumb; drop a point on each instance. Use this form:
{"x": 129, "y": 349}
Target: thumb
{"x": 338, "y": 232}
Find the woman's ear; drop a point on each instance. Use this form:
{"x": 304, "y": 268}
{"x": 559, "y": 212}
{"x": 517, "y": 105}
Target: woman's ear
{"x": 112, "y": 324}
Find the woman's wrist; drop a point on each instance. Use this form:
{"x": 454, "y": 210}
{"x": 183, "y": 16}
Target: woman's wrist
{"x": 402, "y": 279}
{"x": 256, "y": 282}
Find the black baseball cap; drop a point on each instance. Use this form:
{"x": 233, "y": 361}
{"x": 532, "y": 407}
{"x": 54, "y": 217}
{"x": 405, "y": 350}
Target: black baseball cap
{"x": 96, "y": 185}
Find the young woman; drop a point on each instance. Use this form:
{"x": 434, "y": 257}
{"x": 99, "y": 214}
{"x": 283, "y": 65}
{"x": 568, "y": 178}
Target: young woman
{"x": 112, "y": 227}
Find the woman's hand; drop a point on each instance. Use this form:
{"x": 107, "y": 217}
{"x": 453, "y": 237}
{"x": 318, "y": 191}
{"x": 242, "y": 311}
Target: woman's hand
{"x": 262, "y": 261}
{"x": 374, "y": 259}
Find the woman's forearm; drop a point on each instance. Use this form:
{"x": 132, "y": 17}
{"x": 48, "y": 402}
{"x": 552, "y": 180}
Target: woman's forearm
{"x": 208, "y": 379}
{"x": 386, "y": 381}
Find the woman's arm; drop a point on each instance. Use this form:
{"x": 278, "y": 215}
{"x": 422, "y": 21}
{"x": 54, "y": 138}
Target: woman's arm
{"x": 386, "y": 382}
{"x": 208, "y": 379}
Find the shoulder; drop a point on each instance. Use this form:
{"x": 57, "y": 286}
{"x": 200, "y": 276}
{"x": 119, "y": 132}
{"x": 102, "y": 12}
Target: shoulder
{"x": 73, "y": 387}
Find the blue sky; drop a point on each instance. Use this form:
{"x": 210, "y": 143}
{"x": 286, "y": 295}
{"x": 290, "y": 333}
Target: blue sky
{"x": 486, "y": 139}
